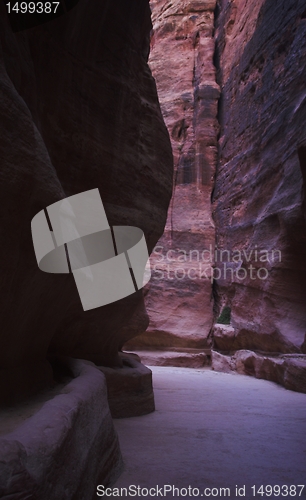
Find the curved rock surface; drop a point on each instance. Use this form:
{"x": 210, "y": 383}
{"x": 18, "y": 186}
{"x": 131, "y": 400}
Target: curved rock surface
{"x": 63, "y": 450}
{"x": 79, "y": 111}
{"x": 129, "y": 388}
{"x": 259, "y": 193}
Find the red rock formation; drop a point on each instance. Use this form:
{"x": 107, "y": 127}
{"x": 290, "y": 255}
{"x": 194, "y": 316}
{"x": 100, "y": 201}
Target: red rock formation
{"x": 259, "y": 192}
{"x": 179, "y": 299}
{"x": 260, "y": 182}
{"x": 79, "y": 110}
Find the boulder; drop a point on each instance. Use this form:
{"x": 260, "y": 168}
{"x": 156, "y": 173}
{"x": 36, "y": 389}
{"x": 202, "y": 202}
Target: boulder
{"x": 288, "y": 370}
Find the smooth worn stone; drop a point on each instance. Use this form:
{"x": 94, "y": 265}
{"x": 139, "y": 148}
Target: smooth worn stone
{"x": 215, "y": 430}
{"x": 79, "y": 111}
{"x": 189, "y": 358}
{"x": 65, "y": 446}
{"x": 129, "y": 387}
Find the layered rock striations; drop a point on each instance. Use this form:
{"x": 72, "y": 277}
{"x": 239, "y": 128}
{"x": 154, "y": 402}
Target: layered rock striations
{"x": 259, "y": 194}
{"x": 179, "y": 299}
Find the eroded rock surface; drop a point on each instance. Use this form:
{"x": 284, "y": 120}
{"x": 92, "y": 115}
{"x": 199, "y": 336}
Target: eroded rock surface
{"x": 260, "y": 184}
{"x": 129, "y": 388}
{"x": 179, "y": 300}
{"x": 288, "y": 370}
{"x": 180, "y": 357}
{"x": 67, "y": 447}
{"x": 79, "y": 111}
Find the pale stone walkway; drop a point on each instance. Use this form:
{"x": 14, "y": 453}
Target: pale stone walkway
{"x": 215, "y": 430}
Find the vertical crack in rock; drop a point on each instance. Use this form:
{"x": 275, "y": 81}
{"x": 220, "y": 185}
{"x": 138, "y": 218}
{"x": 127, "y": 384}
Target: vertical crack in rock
{"x": 216, "y": 62}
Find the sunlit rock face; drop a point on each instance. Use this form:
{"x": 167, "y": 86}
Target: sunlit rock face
{"x": 179, "y": 300}
{"x": 79, "y": 111}
{"x": 259, "y": 207}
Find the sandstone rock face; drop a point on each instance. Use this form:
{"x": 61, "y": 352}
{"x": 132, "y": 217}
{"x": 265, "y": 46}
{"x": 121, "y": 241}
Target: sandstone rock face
{"x": 178, "y": 299}
{"x": 224, "y": 337}
{"x": 66, "y": 448}
{"x": 79, "y": 111}
{"x": 181, "y": 357}
{"x": 259, "y": 194}
{"x": 288, "y": 370}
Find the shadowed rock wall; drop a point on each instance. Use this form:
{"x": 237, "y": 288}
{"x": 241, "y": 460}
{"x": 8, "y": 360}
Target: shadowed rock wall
{"x": 79, "y": 110}
{"x": 260, "y": 183}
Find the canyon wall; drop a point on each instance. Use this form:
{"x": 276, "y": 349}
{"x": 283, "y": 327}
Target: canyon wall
{"x": 259, "y": 193}
{"x": 79, "y": 110}
{"x": 243, "y": 203}
{"x": 179, "y": 296}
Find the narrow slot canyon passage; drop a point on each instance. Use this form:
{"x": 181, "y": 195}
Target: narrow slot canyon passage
{"x": 228, "y": 284}
{"x": 227, "y": 296}
{"x": 153, "y": 244}
{"x": 214, "y": 430}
